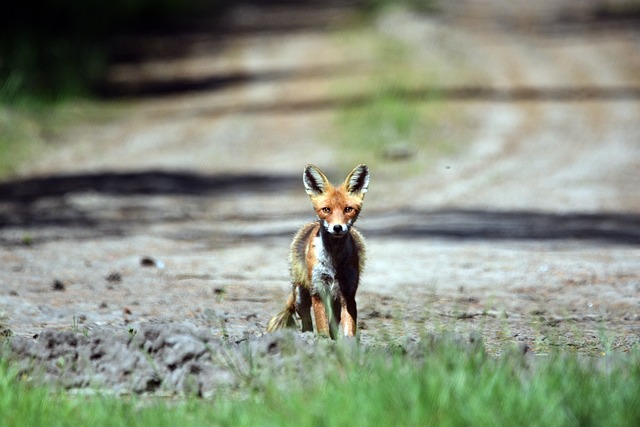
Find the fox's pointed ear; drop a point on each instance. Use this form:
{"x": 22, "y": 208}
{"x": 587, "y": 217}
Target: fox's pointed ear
{"x": 358, "y": 180}
{"x": 315, "y": 182}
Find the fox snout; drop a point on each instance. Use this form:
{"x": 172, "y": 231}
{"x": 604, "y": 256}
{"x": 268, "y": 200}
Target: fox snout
{"x": 336, "y": 230}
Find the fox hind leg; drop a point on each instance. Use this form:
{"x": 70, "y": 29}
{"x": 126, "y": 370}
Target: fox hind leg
{"x": 303, "y": 308}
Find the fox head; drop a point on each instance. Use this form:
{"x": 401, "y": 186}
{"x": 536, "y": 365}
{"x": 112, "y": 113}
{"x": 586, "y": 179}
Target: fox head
{"x": 336, "y": 207}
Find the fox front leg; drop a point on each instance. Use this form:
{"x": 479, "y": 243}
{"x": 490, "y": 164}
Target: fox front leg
{"x": 320, "y": 314}
{"x": 326, "y": 305}
{"x": 348, "y": 316}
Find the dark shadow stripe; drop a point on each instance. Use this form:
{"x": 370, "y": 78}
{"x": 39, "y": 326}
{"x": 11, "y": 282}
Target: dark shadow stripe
{"x": 142, "y": 183}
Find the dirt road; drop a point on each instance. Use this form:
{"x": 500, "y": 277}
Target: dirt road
{"x": 179, "y": 210}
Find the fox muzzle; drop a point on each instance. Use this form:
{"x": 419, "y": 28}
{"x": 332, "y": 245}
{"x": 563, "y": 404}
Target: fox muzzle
{"x": 336, "y": 230}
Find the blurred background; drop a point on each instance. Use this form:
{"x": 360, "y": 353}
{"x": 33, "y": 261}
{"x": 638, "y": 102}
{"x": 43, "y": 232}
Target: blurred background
{"x": 480, "y": 103}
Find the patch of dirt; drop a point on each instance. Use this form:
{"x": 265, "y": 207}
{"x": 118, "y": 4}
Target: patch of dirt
{"x": 144, "y": 248}
{"x": 159, "y": 359}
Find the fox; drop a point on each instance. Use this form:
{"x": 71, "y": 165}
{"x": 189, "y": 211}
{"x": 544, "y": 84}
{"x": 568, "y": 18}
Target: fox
{"x": 327, "y": 257}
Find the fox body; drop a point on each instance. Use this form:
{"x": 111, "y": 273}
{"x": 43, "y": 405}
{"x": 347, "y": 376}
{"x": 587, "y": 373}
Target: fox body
{"x": 327, "y": 257}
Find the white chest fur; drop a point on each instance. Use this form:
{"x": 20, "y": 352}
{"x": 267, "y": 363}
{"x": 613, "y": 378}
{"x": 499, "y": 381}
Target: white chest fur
{"x": 323, "y": 274}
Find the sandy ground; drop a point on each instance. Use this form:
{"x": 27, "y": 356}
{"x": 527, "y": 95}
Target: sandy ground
{"x": 177, "y": 214}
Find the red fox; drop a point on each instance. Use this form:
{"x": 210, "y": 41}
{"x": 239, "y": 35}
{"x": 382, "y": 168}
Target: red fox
{"x": 327, "y": 257}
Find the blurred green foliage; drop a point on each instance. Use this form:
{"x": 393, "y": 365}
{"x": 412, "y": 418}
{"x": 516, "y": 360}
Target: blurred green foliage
{"x": 421, "y": 6}
{"x": 55, "y": 49}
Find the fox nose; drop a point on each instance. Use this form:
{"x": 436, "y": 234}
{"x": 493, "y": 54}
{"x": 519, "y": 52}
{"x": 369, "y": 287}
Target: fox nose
{"x": 337, "y": 229}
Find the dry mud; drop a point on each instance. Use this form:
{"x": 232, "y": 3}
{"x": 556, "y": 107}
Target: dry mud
{"x": 147, "y": 253}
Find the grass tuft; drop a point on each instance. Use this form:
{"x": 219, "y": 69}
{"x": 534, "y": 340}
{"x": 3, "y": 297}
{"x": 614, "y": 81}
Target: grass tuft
{"x": 438, "y": 382}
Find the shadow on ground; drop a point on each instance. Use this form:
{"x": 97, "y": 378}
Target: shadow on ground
{"x": 45, "y": 201}
{"x": 618, "y": 228}
{"x": 141, "y": 183}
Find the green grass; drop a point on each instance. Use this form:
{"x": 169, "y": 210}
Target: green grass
{"x": 18, "y": 136}
{"x": 439, "y": 384}
{"x": 54, "y": 50}
{"x": 420, "y": 6}
{"x": 29, "y": 131}
{"x": 400, "y": 123}
{"x": 54, "y": 54}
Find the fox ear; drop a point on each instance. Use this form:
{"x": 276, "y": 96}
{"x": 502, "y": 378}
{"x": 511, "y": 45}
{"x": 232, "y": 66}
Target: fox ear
{"x": 315, "y": 182}
{"x": 358, "y": 180}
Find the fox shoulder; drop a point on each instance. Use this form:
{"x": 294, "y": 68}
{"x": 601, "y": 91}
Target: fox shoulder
{"x": 298, "y": 252}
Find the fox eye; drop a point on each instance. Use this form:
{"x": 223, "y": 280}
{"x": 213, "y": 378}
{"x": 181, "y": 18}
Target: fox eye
{"x": 348, "y": 209}
{"x": 326, "y": 210}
